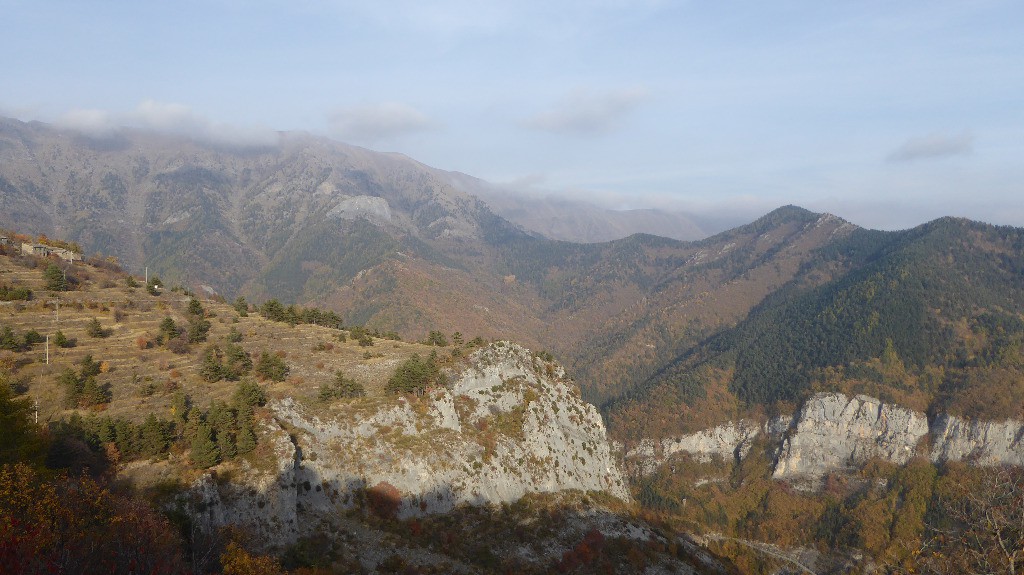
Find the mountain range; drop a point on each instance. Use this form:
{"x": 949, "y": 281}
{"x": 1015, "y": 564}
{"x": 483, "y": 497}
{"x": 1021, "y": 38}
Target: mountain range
{"x": 758, "y": 315}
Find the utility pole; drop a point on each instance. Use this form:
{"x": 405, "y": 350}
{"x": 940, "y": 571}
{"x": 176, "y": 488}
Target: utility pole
{"x": 56, "y": 307}
{"x": 47, "y": 349}
{"x": 37, "y": 411}
{"x": 147, "y": 275}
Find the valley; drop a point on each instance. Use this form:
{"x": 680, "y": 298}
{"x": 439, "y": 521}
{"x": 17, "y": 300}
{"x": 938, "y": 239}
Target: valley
{"x": 796, "y": 391}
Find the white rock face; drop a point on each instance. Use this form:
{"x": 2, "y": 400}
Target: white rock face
{"x": 729, "y": 441}
{"x": 980, "y": 442}
{"x": 510, "y": 425}
{"x": 263, "y": 501}
{"x": 369, "y": 207}
{"x": 834, "y": 432}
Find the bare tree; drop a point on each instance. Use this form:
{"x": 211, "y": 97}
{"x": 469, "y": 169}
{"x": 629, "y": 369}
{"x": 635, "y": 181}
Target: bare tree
{"x": 980, "y": 526}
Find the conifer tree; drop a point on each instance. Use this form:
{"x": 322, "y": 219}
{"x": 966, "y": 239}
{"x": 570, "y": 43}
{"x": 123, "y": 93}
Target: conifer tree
{"x": 271, "y": 367}
{"x": 226, "y": 443}
{"x": 205, "y": 452}
{"x": 61, "y": 340}
{"x": 153, "y": 437}
{"x": 246, "y": 439}
{"x": 54, "y": 277}
{"x": 92, "y": 393}
{"x": 211, "y": 369}
{"x": 181, "y": 405}
{"x": 95, "y": 329}
{"x": 168, "y": 329}
{"x": 242, "y": 306}
{"x": 195, "y": 308}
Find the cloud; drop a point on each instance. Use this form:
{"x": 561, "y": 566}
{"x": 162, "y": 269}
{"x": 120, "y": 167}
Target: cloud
{"x": 585, "y": 113}
{"x": 375, "y": 122}
{"x": 933, "y": 146}
{"x": 165, "y": 118}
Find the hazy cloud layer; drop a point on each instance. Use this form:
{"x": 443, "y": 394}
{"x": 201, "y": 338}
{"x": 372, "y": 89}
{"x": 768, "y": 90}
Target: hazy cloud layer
{"x": 167, "y": 118}
{"x": 376, "y": 122}
{"x": 933, "y": 146}
{"x": 586, "y": 113}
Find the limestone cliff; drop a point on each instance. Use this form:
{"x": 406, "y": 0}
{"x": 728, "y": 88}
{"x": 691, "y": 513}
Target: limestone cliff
{"x": 509, "y": 425}
{"x": 833, "y": 432}
{"x": 729, "y": 441}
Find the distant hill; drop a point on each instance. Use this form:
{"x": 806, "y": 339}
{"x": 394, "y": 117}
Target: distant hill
{"x": 931, "y": 317}
{"x": 390, "y": 243}
{"x": 665, "y": 334}
{"x": 579, "y": 221}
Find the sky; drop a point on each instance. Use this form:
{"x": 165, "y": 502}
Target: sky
{"x": 888, "y": 114}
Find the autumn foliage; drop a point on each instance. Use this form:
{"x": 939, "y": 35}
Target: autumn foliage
{"x": 59, "y": 524}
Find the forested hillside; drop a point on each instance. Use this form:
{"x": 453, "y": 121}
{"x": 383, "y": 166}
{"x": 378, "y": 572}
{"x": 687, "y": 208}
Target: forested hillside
{"x": 929, "y": 317}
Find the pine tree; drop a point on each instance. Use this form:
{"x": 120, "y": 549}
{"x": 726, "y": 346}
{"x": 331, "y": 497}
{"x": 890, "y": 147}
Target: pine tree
{"x": 205, "y": 452}
{"x": 168, "y": 329}
{"x": 153, "y": 437}
{"x": 248, "y": 395}
{"x": 246, "y": 440}
{"x": 211, "y": 369}
{"x": 95, "y": 329}
{"x": 72, "y": 385}
{"x": 242, "y": 307}
{"x": 54, "y": 277}
{"x": 92, "y": 393}
{"x": 61, "y": 340}
{"x": 89, "y": 367}
{"x": 181, "y": 405}
{"x": 197, "y": 329}
{"x": 125, "y": 437}
{"x": 226, "y": 443}
{"x": 271, "y": 367}
{"x": 195, "y": 308}
{"x": 237, "y": 362}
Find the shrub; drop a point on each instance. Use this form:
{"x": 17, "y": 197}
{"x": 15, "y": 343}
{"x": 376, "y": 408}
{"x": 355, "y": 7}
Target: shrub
{"x": 341, "y": 388}
{"x": 178, "y": 345}
{"x": 8, "y": 293}
{"x": 384, "y": 500}
{"x": 414, "y": 375}
{"x": 271, "y": 367}
{"x": 62, "y": 340}
{"x": 248, "y": 394}
{"x": 95, "y": 329}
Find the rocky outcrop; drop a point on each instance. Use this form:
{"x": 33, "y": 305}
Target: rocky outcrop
{"x": 730, "y": 441}
{"x": 370, "y": 207}
{"x": 980, "y": 442}
{"x": 509, "y": 425}
{"x": 834, "y": 432}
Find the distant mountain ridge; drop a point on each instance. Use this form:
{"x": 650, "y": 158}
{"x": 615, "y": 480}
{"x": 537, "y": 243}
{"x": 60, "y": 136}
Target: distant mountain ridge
{"x": 665, "y": 334}
{"x": 579, "y": 221}
{"x": 931, "y": 318}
